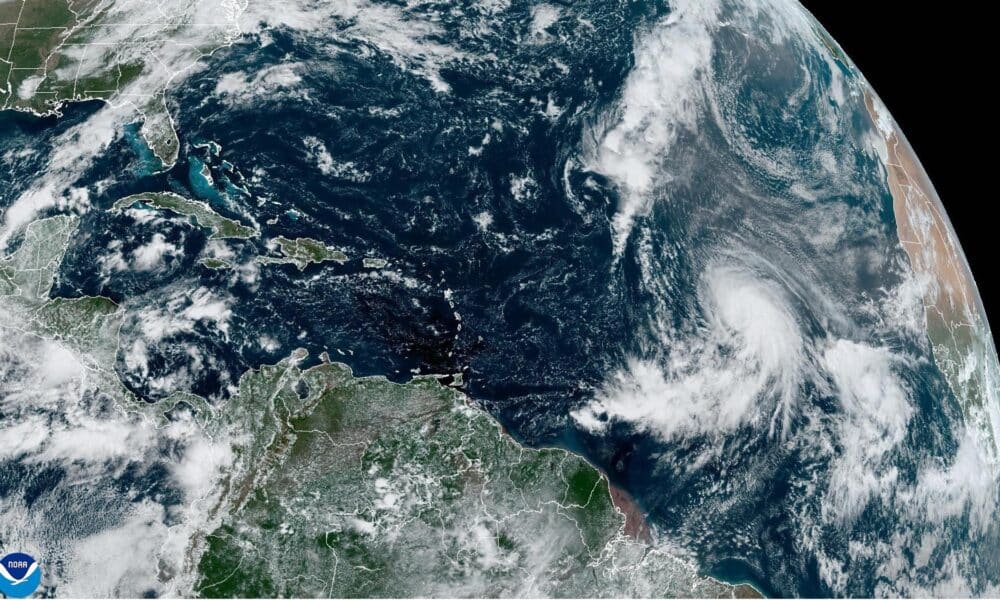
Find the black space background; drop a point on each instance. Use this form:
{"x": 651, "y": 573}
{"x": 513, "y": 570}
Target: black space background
{"x": 933, "y": 66}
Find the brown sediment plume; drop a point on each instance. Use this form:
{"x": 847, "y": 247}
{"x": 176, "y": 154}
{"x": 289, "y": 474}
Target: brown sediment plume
{"x": 636, "y": 526}
{"x": 745, "y": 590}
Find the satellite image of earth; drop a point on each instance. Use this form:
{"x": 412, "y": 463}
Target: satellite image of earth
{"x": 488, "y": 298}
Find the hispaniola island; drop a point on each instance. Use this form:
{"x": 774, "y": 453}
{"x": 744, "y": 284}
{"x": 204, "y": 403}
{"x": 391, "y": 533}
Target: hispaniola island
{"x": 490, "y": 298}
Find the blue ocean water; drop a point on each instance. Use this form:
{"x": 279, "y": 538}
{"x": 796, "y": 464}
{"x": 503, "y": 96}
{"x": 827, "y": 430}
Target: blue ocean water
{"x": 502, "y": 262}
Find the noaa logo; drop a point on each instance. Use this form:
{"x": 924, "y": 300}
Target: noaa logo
{"x": 19, "y": 575}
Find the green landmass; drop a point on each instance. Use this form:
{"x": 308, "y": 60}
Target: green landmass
{"x": 56, "y": 51}
{"x": 88, "y": 325}
{"x": 374, "y": 263}
{"x": 216, "y": 263}
{"x": 359, "y": 487}
{"x": 201, "y": 212}
{"x": 345, "y": 486}
{"x": 303, "y": 252}
{"x": 82, "y": 323}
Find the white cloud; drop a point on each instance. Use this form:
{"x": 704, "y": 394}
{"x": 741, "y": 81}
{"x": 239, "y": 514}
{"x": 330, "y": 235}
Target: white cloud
{"x": 125, "y": 556}
{"x": 326, "y": 164}
{"x": 150, "y": 255}
{"x": 52, "y": 419}
{"x": 875, "y": 415}
{"x": 72, "y": 153}
{"x": 319, "y": 154}
{"x": 522, "y": 188}
{"x": 412, "y": 40}
{"x": 200, "y": 467}
{"x": 663, "y": 96}
{"x": 483, "y": 220}
{"x": 205, "y": 306}
{"x": 23, "y": 437}
{"x": 967, "y": 483}
{"x": 276, "y": 81}
{"x": 94, "y": 440}
{"x": 60, "y": 365}
{"x": 182, "y": 310}
{"x": 746, "y": 359}
{"x": 268, "y": 343}
{"x": 543, "y": 16}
